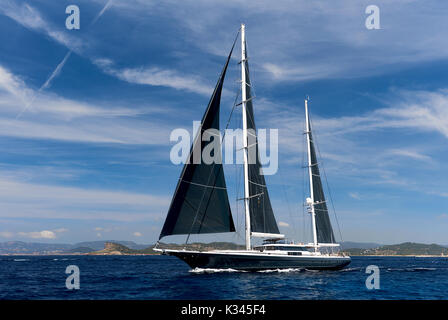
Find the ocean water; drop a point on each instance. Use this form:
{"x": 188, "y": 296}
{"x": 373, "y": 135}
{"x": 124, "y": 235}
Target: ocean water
{"x": 164, "y": 277}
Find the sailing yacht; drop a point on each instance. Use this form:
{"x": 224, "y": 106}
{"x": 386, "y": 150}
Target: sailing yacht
{"x": 200, "y": 203}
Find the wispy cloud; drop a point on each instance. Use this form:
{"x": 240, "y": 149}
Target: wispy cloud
{"x": 56, "y": 118}
{"x": 412, "y": 154}
{"x": 58, "y": 69}
{"x": 311, "y": 39}
{"x": 416, "y": 110}
{"x": 355, "y": 195}
{"x": 27, "y": 200}
{"x": 156, "y": 76}
{"x": 354, "y": 147}
{"x": 29, "y": 17}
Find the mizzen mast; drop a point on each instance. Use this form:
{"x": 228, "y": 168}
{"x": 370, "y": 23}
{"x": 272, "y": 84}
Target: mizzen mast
{"x": 310, "y": 201}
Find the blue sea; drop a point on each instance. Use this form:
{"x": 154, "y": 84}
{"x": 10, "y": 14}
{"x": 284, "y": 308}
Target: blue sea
{"x": 164, "y": 277}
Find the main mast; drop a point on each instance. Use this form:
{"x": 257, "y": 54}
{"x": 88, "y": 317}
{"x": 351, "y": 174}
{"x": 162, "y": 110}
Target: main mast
{"x": 245, "y": 140}
{"x": 310, "y": 201}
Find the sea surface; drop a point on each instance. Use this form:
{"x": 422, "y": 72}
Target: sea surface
{"x": 164, "y": 277}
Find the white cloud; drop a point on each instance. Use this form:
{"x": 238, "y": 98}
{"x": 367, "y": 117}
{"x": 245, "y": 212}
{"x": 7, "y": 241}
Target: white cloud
{"x": 295, "y": 38}
{"x": 156, "y": 76}
{"x": 20, "y": 94}
{"x": 416, "y": 110}
{"x": 14, "y": 85}
{"x": 56, "y": 118}
{"x": 355, "y": 195}
{"x": 45, "y": 234}
{"x": 300, "y": 73}
{"x": 6, "y": 234}
{"x": 411, "y": 154}
{"x": 137, "y": 234}
{"x": 283, "y": 224}
{"x": 356, "y": 147}
{"x": 27, "y": 200}
{"x": 29, "y": 17}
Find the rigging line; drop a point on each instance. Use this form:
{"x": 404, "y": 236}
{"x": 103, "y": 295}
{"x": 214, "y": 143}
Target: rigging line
{"x": 246, "y": 66}
{"x": 328, "y": 187}
{"x": 203, "y": 185}
{"x": 253, "y": 196}
{"x": 257, "y": 184}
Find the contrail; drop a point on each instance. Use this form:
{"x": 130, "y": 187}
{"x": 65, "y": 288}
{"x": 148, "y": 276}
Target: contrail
{"x": 47, "y": 83}
{"x": 59, "y": 67}
{"x": 106, "y": 6}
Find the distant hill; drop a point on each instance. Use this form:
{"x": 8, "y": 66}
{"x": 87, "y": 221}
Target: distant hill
{"x": 130, "y": 247}
{"x": 78, "y": 250}
{"x": 359, "y": 245}
{"x": 20, "y": 247}
{"x": 402, "y": 249}
{"x": 112, "y": 248}
{"x": 98, "y": 245}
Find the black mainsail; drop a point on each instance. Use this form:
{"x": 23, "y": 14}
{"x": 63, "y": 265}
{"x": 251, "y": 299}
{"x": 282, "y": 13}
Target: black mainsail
{"x": 200, "y": 203}
{"x": 323, "y": 225}
{"x": 262, "y": 218}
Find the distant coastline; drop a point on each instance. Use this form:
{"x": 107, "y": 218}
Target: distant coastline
{"x": 111, "y": 247}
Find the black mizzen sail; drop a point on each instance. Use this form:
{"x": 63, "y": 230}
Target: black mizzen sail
{"x": 261, "y": 215}
{"x": 200, "y": 203}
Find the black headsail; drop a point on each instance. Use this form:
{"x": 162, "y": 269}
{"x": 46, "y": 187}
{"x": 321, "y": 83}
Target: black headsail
{"x": 200, "y": 203}
{"x": 323, "y": 225}
{"x": 261, "y": 215}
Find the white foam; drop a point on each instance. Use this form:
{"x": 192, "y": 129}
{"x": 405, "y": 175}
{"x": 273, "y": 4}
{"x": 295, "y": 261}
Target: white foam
{"x": 20, "y": 260}
{"x": 350, "y": 269}
{"x": 412, "y": 269}
{"x": 282, "y": 270}
{"x": 212, "y": 270}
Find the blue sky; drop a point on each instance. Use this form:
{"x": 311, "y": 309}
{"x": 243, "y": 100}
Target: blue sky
{"x": 89, "y": 158}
